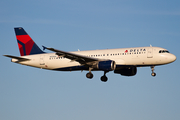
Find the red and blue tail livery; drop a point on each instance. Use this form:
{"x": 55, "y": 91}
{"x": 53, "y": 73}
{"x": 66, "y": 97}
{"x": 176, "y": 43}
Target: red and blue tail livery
{"x": 26, "y": 45}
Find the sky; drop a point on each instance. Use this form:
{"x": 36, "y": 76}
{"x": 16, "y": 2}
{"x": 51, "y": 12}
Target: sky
{"x": 28, "y": 93}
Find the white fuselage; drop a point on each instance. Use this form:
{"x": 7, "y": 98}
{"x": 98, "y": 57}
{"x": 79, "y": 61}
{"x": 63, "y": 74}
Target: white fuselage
{"x": 139, "y": 56}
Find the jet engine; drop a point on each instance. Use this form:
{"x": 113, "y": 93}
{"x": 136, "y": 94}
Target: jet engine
{"x": 127, "y": 71}
{"x": 105, "y": 65}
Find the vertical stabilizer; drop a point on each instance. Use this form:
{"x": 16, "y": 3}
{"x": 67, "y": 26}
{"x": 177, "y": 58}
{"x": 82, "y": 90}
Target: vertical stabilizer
{"x": 26, "y": 45}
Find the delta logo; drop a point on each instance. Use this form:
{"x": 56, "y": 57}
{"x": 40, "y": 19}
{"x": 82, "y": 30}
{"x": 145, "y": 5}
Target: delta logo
{"x": 126, "y": 51}
{"x": 135, "y": 50}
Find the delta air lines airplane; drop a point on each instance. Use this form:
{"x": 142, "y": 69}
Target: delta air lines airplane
{"x": 122, "y": 61}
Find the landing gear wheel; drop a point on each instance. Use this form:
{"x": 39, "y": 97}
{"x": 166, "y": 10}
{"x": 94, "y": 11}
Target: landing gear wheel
{"x": 153, "y": 74}
{"x": 104, "y": 78}
{"x": 89, "y": 75}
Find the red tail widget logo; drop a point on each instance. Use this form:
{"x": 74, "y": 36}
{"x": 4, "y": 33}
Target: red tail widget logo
{"x": 26, "y": 45}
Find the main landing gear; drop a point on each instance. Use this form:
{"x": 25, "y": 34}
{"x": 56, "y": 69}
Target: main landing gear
{"x": 153, "y": 73}
{"x": 103, "y": 78}
{"x": 89, "y": 74}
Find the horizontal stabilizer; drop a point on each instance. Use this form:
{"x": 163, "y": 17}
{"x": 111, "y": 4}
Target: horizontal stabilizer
{"x": 18, "y": 58}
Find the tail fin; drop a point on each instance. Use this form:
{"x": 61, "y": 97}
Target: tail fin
{"x": 26, "y": 45}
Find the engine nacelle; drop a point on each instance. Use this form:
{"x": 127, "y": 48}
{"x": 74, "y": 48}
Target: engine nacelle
{"x": 105, "y": 65}
{"x": 127, "y": 71}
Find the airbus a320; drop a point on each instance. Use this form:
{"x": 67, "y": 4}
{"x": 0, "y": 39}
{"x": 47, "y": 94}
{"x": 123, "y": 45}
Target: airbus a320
{"x": 122, "y": 61}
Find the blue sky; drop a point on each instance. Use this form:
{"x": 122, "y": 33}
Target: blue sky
{"x": 35, "y": 94}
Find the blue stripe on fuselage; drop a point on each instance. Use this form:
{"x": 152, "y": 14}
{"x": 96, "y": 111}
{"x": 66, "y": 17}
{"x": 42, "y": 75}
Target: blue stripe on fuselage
{"x": 76, "y": 68}
{"x": 73, "y": 68}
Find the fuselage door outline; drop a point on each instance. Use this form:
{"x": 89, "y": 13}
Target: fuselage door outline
{"x": 150, "y": 53}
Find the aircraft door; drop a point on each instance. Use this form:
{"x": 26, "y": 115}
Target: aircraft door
{"x": 42, "y": 60}
{"x": 150, "y": 53}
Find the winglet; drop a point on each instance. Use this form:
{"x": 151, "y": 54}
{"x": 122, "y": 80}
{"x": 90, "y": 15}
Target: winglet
{"x": 44, "y": 47}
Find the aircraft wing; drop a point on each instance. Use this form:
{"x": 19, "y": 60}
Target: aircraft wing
{"x": 74, "y": 57}
{"x": 20, "y": 59}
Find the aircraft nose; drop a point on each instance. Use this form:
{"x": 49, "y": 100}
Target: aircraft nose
{"x": 172, "y": 58}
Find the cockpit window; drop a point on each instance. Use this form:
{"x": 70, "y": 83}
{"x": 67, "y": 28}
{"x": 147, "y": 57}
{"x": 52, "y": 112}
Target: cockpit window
{"x": 163, "y": 51}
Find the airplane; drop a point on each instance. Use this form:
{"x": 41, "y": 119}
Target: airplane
{"x": 122, "y": 61}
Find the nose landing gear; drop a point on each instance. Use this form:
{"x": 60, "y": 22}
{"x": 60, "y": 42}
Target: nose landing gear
{"x": 153, "y": 73}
